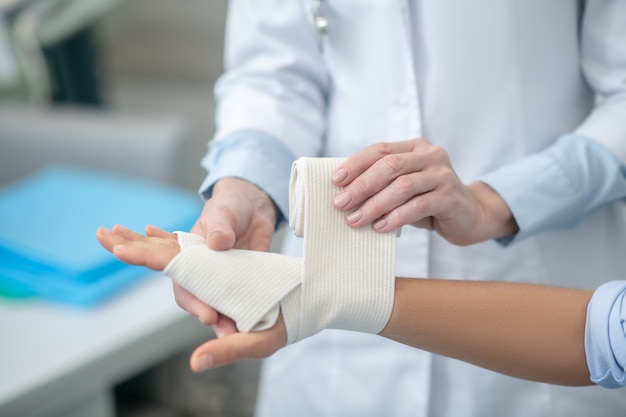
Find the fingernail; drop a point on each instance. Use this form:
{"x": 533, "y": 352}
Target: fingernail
{"x": 342, "y": 200}
{"x": 120, "y": 228}
{"x": 379, "y": 224}
{"x": 340, "y": 175}
{"x": 204, "y": 363}
{"x": 355, "y": 217}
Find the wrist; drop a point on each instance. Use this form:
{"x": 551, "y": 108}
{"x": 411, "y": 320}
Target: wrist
{"x": 496, "y": 219}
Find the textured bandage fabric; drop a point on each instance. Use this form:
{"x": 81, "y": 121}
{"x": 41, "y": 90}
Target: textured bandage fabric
{"x": 345, "y": 279}
{"x": 347, "y": 274}
{"x": 246, "y": 286}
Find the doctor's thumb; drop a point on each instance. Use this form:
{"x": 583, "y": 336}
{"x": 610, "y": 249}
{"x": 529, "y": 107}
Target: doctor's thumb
{"x": 221, "y": 238}
{"x": 216, "y": 228}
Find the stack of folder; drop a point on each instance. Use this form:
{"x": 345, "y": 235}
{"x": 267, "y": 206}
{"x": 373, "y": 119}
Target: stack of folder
{"x": 48, "y": 221}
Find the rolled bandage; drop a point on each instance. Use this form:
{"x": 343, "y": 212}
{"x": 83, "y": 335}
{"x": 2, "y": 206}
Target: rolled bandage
{"x": 348, "y": 275}
{"x": 345, "y": 279}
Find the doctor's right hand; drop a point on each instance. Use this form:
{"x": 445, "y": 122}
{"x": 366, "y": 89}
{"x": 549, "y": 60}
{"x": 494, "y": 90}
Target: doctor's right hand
{"x": 238, "y": 215}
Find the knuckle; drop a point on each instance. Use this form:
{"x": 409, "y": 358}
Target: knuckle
{"x": 419, "y": 142}
{"x": 382, "y": 148}
{"x": 419, "y": 205}
{"x": 359, "y": 187}
{"x": 391, "y": 164}
{"x": 375, "y": 207}
{"x": 404, "y": 184}
{"x": 448, "y": 179}
{"x": 439, "y": 154}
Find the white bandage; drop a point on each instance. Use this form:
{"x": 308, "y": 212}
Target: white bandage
{"x": 348, "y": 274}
{"x": 344, "y": 281}
{"x": 246, "y": 286}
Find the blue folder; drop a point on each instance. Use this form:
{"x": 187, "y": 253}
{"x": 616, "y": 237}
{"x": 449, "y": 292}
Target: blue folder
{"x": 48, "y": 222}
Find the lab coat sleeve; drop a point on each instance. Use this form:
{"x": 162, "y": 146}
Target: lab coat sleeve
{"x": 605, "y": 335}
{"x": 603, "y": 58}
{"x": 275, "y": 80}
{"x": 271, "y": 98}
{"x": 560, "y": 185}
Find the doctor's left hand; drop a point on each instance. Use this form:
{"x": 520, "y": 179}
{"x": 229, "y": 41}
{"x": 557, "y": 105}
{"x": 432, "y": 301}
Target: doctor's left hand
{"x": 412, "y": 182}
{"x": 155, "y": 251}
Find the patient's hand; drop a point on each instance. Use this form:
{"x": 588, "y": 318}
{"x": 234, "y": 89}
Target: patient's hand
{"x": 155, "y": 251}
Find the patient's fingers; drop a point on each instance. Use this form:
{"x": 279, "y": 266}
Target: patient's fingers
{"x": 154, "y": 253}
{"x": 136, "y": 249}
{"x": 190, "y": 303}
{"x": 224, "y": 326}
{"x": 126, "y": 232}
{"x": 238, "y": 346}
{"x": 108, "y": 239}
{"x": 154, "y": 231}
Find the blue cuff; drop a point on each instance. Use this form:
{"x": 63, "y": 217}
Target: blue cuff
{"x": 253, "y": 156}
{"x": 605, "y": 335}
{"x": 559, "y": 186}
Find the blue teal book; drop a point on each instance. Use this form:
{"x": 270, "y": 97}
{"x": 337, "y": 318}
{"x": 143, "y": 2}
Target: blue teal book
{"x": 47, "y": 231}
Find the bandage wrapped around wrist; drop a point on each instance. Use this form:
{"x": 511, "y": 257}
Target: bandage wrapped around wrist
{"x": 345, "y": 279}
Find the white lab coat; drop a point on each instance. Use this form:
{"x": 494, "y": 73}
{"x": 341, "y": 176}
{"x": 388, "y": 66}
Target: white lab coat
{"x": 489, "y": 80}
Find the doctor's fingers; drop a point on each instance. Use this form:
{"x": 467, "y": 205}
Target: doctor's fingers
{"x": 229, "y": 223}
{"x": 451, "y": 214}
{"x": 383, "y": 172}
{"x": 401, "y": 191}
{"x": 238, "y": 346}
{"x": 361, "y": 161}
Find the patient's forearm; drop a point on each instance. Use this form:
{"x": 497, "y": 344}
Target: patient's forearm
{"x": 529, "y": 331}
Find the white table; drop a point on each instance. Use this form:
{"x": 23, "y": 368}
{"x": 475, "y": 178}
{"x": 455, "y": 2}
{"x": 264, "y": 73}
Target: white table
{"x": 57, "y": 361}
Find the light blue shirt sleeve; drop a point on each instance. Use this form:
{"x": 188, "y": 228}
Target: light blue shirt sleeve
{"x": 559, "y": 186}
{"x": 255, "y": 157}
{"x": 605, "y": 335}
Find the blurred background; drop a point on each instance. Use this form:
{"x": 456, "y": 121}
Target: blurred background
{"x": 124, "y": 86}
{"x": 152, "y": 59}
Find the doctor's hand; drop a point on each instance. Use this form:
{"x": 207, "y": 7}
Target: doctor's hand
{"x": 155, "y": 251}
{"x": 238, "y": 215}
{"x": 412, "y": 182}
